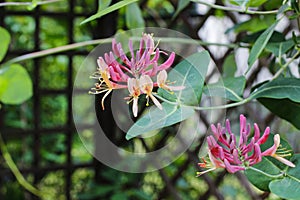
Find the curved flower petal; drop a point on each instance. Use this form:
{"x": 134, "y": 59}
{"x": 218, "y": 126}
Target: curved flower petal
{"x": 232, "y": 168}
{"x": 265, "y": 136}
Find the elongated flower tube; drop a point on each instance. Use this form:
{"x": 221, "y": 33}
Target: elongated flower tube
{"x": 162, "y": 82}
{"x": 135, "y": 70}
{"x": 225, "y": 152}
{"x": 146, "y": 85}
{"x": 134, "y": 90}
{"x": 272, "y": 151}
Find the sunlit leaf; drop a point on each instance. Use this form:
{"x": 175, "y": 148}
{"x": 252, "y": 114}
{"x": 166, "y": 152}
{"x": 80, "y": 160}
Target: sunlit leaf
{"x": 4, "y": 41}
{"x": 107, "y": 10}
{"x": 15, "y": 84}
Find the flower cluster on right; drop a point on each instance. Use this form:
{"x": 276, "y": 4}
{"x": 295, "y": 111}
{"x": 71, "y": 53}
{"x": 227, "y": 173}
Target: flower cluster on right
{"x": 225, "y": 152}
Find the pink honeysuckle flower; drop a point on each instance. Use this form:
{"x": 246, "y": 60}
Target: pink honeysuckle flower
{"x": 144, "y": 61}
{"x": 225, "y": 152}
{"x": 279, "y": 156}
{"x": 134, "y": 90}
{"x": 116, "y": 70}
{"x": 146, "y": 85}
{"x": 105, "y": 85}
{"x": 162, "y": 82}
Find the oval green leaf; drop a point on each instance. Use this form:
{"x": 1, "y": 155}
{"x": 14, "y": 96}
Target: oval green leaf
{"x": 4, "y": 41}
{"x": 16, "y": 85}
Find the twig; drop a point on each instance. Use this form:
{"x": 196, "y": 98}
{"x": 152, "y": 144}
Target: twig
{"x": 14, "y": 169}
{"x": 235, "y": 9}
{"x": 286, "y": 65}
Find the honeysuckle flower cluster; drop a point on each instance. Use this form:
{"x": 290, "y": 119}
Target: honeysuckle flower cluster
{"x": 139, "y": 73}
{"x": 224, "y": 151}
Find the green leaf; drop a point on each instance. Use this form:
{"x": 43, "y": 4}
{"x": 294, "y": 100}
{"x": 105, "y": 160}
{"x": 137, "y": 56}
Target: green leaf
{"x": 251, "y": 38}
{"x": 102, "y": 4}
{"x": 289, "y": 186}
{"x": 260, "y": 44}
{"x": 268, "y": 165}
{"x": 282, "y": 97}
{"x": 271, "y": 5}
{"x": 33, "y": 5}
{"x": 189, "y": 73}
{"x": 118, "y": 196}
{"x": 280, "y": 48}
{"x": 96, "y": 191}
{"x": 4, "y": 41}
{"x": 279, "y": 88}
{"x": 15, "y": 85}
{"x": 260, "y": 180}
{"x": 254, "y": 24}
{"x": 283, "y": 108}
{"x": 229, "y": 66}
{"x": 239, "y": 2}
{"x": 248, "y": 3}
{"x": 230, "y": 88}
{"x": 107, "y": 10}
{"x": 256, "y": 3}
{"x": 155, "y": 119}
{"x": 182, "y": 4}
{"x": 134, "y": 17}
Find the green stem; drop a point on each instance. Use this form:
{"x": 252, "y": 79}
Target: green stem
{"x": 204, "y": 108}
{"x": 235, "y": 9}
{"x": 27, "y": 3}
{"x": 57, "y": 50}
{"x": 286, "y": 65}
{"x": 13, "y": 167}
{"x": 266, "y": 174}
